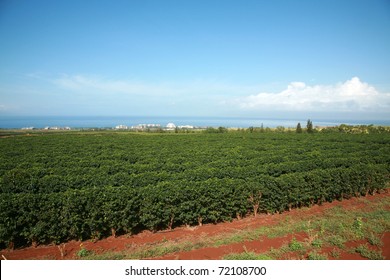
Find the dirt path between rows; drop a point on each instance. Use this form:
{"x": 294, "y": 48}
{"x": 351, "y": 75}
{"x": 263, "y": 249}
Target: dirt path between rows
{"x": 148, "y": 238}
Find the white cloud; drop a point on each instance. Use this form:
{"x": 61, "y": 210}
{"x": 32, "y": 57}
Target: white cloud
{"x": 195, "y": 97}
{"x": 200, "y": 87}
{"x": 350, "y": 96}
{"x": 85, "y": 83}
{"x": 219, "y": 97}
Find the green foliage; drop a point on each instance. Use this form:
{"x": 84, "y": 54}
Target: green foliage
{"x": 299, "y": 128}
{"x": 365, "y": 252}
{"x": 374, "y": 240}
{"x": 316, "y": 256}
{"x": 82, "y": 253}
{"x": 358, "y": 227}
{"x": 82, "y": 185}
{"x": 317, "y": 243}
{"x": 247, "y": 256}
{"x": 335, "y": 253}
{"x": 309, "y": 126}
{"x": 295, "y": 245}
{"x": 220, "y": 129}
{"x": 357, "y": 129}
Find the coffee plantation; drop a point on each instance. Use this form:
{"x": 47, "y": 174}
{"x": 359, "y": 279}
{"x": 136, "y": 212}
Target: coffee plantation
{"x": 56, "y": 187}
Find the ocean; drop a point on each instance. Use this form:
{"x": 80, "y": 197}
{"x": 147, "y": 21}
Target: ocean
{"x": 8, "y": 122}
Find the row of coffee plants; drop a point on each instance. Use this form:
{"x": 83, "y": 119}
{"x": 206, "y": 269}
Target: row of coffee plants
{"x": 27, "y": 218}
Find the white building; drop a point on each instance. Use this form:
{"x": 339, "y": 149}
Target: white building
{"x": 121, "y": 126}
{"x": 170, "y": 126}
{"x": 146, "y": 126}
{"x": 186, "y": 126}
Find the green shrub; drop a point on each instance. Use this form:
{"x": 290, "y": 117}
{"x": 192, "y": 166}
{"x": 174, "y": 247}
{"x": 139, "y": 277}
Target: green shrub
{"x": 247, "y": 256}
{"x": 82, "y": 253}
{"x": 295, "y": 245}
{"x": 316, "y": 256}
{"x": 365, "y": 252}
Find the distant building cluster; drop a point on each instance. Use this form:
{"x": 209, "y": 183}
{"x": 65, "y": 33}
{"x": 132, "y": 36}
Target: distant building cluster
{"x": 57, "y": 128}
{"x": 47, "y": 128}
{"x": 139, "y": 127}
{"x": 147, "y": 126}
{"x": 143, "y": 127}
{"x": 121, "y": 126}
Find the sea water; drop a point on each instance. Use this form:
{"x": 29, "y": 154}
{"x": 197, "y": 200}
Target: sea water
{"x": 17, "y": 122}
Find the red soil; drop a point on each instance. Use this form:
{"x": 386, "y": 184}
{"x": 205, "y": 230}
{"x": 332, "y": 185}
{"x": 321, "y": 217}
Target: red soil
{"x": 126, "y": 242}
{"x": 386, "y": 245}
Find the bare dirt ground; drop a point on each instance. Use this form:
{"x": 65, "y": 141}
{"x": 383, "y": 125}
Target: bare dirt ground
{"x": 147, "y": 238}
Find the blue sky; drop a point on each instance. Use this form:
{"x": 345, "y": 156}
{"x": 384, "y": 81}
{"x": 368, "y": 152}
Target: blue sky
{"x": 259, "y": 58}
